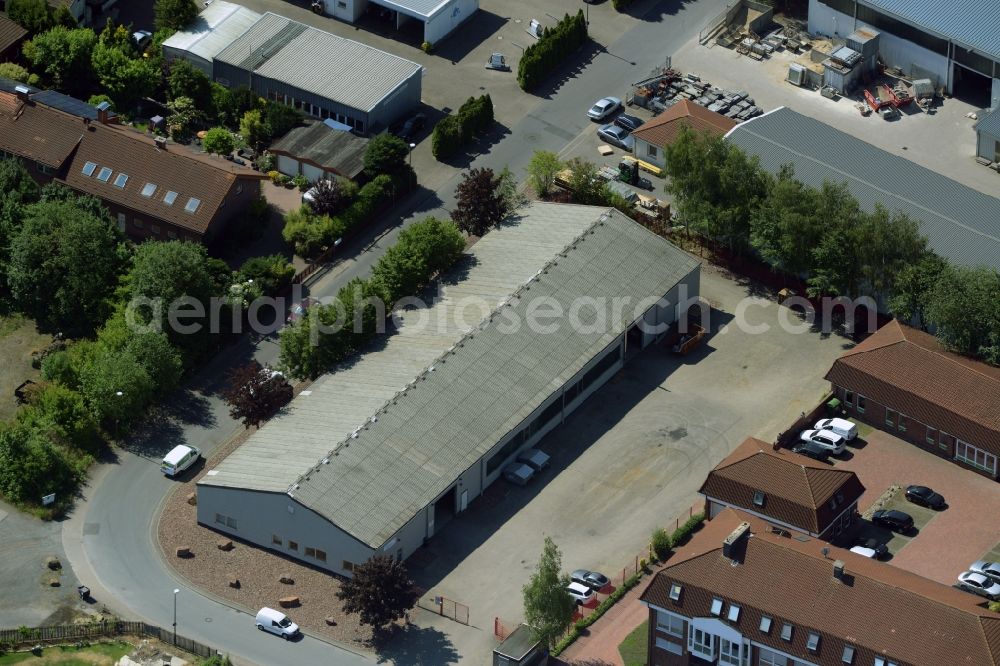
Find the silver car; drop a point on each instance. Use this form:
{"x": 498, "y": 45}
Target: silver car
{"x": 604, "y": 107}
{"x": 977, "y": 583}
{"x": 617, "y": 136}
{"x": 518, "y": 473}
{"x": 828, "y": 439}
{"x": 986, "y": 568}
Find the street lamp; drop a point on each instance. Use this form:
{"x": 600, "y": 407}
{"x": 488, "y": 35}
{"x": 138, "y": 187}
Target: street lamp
{"x": 412, "y": 146}
{"x": 175, "y": 615}
{"x": 118, "y": 394}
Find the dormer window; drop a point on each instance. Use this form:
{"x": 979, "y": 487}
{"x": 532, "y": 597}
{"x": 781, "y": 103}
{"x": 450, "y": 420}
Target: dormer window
{"x": 734, "y": 613}
{"x": 675, "y": 591}
{"x": 716, "y": 606}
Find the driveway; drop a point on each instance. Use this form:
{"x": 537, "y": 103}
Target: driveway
{"x": 630, "y": 459}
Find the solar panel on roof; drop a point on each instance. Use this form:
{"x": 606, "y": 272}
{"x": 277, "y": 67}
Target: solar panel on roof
{"x": 65, "y": 103}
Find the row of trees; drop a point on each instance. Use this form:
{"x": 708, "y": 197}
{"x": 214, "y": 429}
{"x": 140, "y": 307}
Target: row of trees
{"x": 552, "y": 48}
{"x": 823, "y": 235}
{"x": 40, "y": 15}
{"x": 327, "y": 334}
{"x": 474, "y": 117}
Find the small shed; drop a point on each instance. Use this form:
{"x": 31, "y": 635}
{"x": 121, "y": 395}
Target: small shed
{"x": 520, "y": 649}
{"x": 988, "y": 136}
{"x": 318, "y": 151}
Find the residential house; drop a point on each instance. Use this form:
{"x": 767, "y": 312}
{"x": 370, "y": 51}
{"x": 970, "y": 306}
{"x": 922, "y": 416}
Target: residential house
{"x": 786, "y": 490}
{"x": 741, "y": 595}
{"x": 652, "y": 137}
{"x": 903, "y": 381}
{"x": 11, "y": 36}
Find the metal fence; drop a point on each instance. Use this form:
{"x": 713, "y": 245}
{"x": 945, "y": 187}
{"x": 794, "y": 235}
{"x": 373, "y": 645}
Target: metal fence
{"x": 104, "y": 629}
{"x": 446, "y": 608}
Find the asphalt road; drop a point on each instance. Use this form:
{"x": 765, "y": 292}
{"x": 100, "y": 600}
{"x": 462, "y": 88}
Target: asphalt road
{"x": 108, "y": 540}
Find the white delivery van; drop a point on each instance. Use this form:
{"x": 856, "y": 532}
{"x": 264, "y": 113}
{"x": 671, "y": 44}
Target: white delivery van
{"x": 179, "y": 459}
{"x": 277, "y": 623}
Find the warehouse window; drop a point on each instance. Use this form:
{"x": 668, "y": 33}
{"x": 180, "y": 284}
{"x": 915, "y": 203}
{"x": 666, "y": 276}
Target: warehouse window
{"x": 605, "y": 364}
{"x": 276, "y": 540}
{"x": 321, "y": 555}
{"x": 293, "y": 545}
{"x": 347, "y": 566}
{"x": 310, "y": 552}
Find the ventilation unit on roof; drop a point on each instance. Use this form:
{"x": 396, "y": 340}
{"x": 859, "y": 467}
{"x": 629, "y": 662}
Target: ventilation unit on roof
{"x": 161, "y": 142}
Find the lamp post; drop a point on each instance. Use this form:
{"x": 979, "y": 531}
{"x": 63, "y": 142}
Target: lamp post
{"x": 118, "y": 394}
{"x": 175, "y": 615}
{"x": 410, "y": 156}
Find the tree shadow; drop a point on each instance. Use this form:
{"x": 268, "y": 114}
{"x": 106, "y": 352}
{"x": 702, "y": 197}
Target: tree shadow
{"x": 655, "y": 12}
{"x": 480, "y": 146}
{"x": 572, "y": 67}
{"x": 417, "y": 646}
{"x": 476, "y": 30}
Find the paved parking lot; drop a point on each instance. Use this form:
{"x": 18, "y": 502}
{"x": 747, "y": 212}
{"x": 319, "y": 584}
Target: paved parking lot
{"x": 630, "y": 459}
{"x": 947, "y": 541}
{"x": 944, "y": 142}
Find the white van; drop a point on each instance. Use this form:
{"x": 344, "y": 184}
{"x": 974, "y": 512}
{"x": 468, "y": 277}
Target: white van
{"x": 277, "y": 623}
{"x": 179, "y": 459}
{"x": 842, "y": 427}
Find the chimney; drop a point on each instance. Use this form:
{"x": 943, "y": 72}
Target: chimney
{"x": 22, "y": 92}
{"x": 103, "y": 112}
{"x": 838, "y": 570}
{"x": 161, "y": 142}
{"x": 731, "y": 544}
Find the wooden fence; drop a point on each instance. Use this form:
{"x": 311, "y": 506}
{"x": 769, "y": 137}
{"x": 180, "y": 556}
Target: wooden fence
{"x": 65, "y": 633}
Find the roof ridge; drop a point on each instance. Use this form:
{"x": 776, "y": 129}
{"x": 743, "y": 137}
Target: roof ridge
{"x": 950, "y": 356}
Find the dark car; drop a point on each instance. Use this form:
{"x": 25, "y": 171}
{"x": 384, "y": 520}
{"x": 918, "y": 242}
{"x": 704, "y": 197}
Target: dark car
{"x": 814, "y": 451}
{"x": 891, "y": 519}
{"x": 592, "y": 579}
{"x": 881, "y": 550}
{"x": 626, "y": 121}
{"x": 408, "y": 130}
{"x": 924, "y": 496}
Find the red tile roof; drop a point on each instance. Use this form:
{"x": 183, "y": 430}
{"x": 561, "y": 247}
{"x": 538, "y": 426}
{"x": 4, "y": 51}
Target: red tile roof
{"x": 797, "y": 491}
{"x": 37, "y": 132}
{"x": 876, "y": 607}
{"x": 910, "y": 371}
{"x": 663, "y": 129}
{"x": 10, "y": 33}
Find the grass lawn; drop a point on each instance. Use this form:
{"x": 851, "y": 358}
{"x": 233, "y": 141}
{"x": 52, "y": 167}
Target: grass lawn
{"x": 18, "y": 338}
{"x": 95, "y": 655}
{"x": 633, "y": 648}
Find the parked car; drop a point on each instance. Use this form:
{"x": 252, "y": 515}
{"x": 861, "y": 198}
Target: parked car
{"x": 603, "y": 108}
{"x": 977, "y": 583}
{"x": 142, "y": 38}
{"x": 814, "y": 451}
{"x": 826, "y": 438}
{"x": 892, "y": 519}
{"x": 533, "y": 458}
{"x": 629, "y": 122}
{"x": 924, "y": 496}
{"x": 179, "y": 459}
{"x": 869, "y": 547}
{"x": 300, "y": 309}
{"x": 617, "y": 136}
{"x": 408, "y": 130}
{"x": 988, "y": 569}
{"x": 592, "y": 579}
{"x": 518, "y": 473}
{"x": 277, "y": 623}
{"x": 580, "y": 592}
{"x": 842, "y": 427}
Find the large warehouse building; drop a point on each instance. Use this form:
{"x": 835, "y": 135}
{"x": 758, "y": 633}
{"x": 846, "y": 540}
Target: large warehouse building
{"x": 218, "y": 26}
{"x": 954, "y": 43}
{"x": 377, "y": 456}
{"x": 439, "y": 17}
{"x": 961, "y": 224}
{"x": 321, "y": 74}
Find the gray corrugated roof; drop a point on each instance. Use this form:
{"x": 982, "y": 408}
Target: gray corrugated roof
{"x": 419, "y": 8}
{"x": 974, "y": 23}
{"x": 478, "y": 392}
{"x": 961, "y": 224}
{"x": 218, "y": 26}
{"x": 342, "y": 70}
{"x": 328, "y": 148}
{"x": 990, "y": 124}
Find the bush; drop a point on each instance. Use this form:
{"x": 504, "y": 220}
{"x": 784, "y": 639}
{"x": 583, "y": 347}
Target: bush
{"x": 474, "y": 117}
{"x": 551, "y": 50}
{"x": 446, "y": 139}
{"x": 274, "y": 175}
{"x": 684, "y": 532}
{"x": 621, "y": 5}
{"x": 273, "y": 274}
{"x": 426, "y": 47}
{"x": 660, "y": 543}
{"x": 301, "y": 182}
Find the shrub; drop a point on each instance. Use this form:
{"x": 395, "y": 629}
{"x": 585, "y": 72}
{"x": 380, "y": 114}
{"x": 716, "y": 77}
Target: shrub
{"x": 301, "y": 182}
{"x": 426, "y": 47}
{"x": 684, "y": 532}
{"x": 660, "y": 543}
{"x": 446, "y": 139}
{"x": 474, "y": 117}
{"x": 994, "y": 606}
{"x": 265, "y": 163}
{"x": 551, "y": 50}
{"x": 274, "y": 176}
{"x": 273, "y": 273}
{"x": 620, "y": 5}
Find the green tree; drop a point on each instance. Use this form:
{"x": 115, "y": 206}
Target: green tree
{"x": 161, "y": 360}
{"x": 273, "y": 273}
{"x": 962, "y": 308}
{"x": 14, "y": 72}
{"x": 280, "y": 118}
{"x": 379, "y": 591}
{"x": 64, "y": 266}
{"x": 184, "y": 117}
{"x": 836, "y": 269}
{"x": 186, "y": 80}
{"x": 63, "y": 57}
{"x": 125, "y": 78}
{"x": 174, "y": 14}
{"x": 585, "y": 184}
{"x": 542, "y": 170}
{"x": 446, "y": 140}
{"x": 386, "y": 154}
{"x": 659, "y": 544}
{"x": 30, "y": 465}
{"x": 479, "y": 204}
{"x": 218, "y": 140}
{"x": 510, "y": 196}
{"x": 34, "y": 15}
{"x": 232, "y": 103}
{"x": 423, "y": 249}
{"x": 786, "y": 226}
{"x": 548, "y": 608}
{"x": 913, "y": 285}
{"x": 253, "y": 129}
{"x": 116, "y": 387}
{"x": 62, "y": 413}
{"x": 889, "y": 242}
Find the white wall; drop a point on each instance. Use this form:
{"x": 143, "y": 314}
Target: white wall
{"x": 441, "y": 25}
{"x": 986, "y": 146}
{"x": 641, "y": 152}
{"x": 287, "y": 165}
{"x": 350, "y": 11}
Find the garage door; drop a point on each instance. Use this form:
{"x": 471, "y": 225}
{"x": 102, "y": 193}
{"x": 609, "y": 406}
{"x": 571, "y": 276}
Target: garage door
{"x": 311, "y": 172}
{"x": 288, "y": 166}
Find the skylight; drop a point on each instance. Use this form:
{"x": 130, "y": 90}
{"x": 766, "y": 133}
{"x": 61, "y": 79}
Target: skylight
{"x": 121, "y": 179}
{"x": 169, "y": 198}
{"x": 104, "y": 175}
{"x": 88, "y": 169}
{"x": 192, "y": 205}
{"x": 148, "y": 189}
{"x": 675, "y": 591}
{"x": 716, "y": 606}
{"x": 813, "y": 643}
{"x": 734, "y": 613}
{"x": 758, "y": 498}
{"x": 765, "y": 624}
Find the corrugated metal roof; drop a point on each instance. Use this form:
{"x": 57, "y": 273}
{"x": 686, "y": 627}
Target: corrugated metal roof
{"x": 218, "y": 26}
{"x": 974, "y": 23}
{"x": 990, "y": 124}
{"x": 342, "y": 70}
{"x": 961, "y": 224}
{"x": 479, "y": 391}
{"x": 424, "y": 9}
{"x": 327, "y": 148}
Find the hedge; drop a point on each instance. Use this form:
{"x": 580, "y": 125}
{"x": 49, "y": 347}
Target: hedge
{"x": 684, "y": 532}
{"x": 474, "y": 117}
{"x": 554, "y": 46}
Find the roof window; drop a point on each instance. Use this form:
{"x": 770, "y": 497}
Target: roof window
{"x": 192, "y": 205}
{"x": 786, "y": 632}
{"x": 758, "y": 498}
{"x": 765, "y": 624}
{"x": 675, "y": 591}
{"x": 148, "y": 189}
{"x": 170, "y": 197}
{"x": 88, "y": 169}
{"x": 716, "y": 606}
{"x": 734, "y": 613}
{"x": 813, "y": 643}
{"x": 121, "y": 179}
{"x": 848, "y": 656}
{"x": 104, "y": 175}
